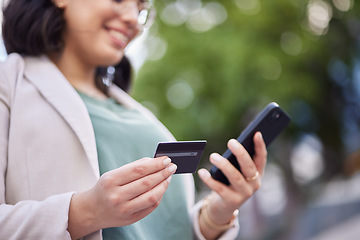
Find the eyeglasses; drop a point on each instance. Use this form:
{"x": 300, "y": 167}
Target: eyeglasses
{"x": 146, "y": 11}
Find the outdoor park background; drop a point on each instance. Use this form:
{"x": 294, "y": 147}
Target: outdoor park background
{"x": 211, "y": 66}
{"x": 206, "y": 68}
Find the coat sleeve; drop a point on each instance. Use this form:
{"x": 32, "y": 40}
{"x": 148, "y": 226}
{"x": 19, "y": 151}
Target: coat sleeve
{"x": 45, "y": 219}
{"x": 229, "y": 234}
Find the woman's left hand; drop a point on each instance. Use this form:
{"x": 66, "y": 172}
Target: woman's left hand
{"x": 225, "y": 199}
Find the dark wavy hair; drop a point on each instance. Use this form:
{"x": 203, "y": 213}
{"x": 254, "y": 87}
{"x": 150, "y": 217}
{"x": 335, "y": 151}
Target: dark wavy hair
{"x": 35, "y": 27}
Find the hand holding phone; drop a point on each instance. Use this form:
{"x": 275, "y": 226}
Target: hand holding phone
{"x": 271, "y": 121}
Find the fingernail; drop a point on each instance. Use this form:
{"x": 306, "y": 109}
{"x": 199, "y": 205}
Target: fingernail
{"x": 172, "y": 168}
{"x": 203, "y": 173}
{"x": 216, "y": 157}
{"x": 169, "y": 179}
{"x": 259, "y": 136}
{"x": 167, "y": 161}
{"x": 234, "y": 143}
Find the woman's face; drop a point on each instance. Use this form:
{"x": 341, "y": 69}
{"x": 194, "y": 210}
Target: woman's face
{"x": 96, "y": 33}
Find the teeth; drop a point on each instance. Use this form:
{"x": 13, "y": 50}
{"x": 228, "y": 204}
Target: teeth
{"x": 118, "y": 35}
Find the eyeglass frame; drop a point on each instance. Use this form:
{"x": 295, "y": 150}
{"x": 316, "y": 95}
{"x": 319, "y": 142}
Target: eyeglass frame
{"x": 149, "y": 14}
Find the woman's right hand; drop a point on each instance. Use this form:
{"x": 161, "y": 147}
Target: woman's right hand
{"x": 121, "y": 196}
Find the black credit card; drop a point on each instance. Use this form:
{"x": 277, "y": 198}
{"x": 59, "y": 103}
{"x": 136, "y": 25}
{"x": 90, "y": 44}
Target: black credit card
{"x": 185, "y": 154}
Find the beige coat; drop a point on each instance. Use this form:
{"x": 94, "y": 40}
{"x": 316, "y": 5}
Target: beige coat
{"x": 47, "y": 148}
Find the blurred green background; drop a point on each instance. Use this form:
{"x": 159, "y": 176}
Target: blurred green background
{"x": 206, "y": 68}
{"x": 211, "y": 66}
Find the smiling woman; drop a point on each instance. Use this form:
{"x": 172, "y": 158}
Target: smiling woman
{"x": 84, "y": 157}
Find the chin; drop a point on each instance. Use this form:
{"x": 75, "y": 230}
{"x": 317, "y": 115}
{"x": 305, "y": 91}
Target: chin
{"x": 110, "y": 60}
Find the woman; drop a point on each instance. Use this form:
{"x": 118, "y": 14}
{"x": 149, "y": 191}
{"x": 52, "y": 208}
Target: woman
{"x": 69, "y": 143}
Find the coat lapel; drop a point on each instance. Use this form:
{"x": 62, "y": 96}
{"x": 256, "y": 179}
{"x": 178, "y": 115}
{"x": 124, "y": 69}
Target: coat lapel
{"x": 54, "y": 87}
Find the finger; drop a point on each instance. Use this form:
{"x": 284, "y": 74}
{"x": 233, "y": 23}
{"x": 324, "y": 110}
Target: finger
{"x": 221, "y": 189}
{"x": 142, "y": 185}
{"x": 232, "y": 174}
{"x": 260, "y": 156}
{"x": 138, "y": 169}
{"x": 149, "y": 198}
{"x": 247, "y": 165}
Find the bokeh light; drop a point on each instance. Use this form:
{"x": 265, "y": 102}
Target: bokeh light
{"x": 319, "y": 15}
{"x": 180, "y": 94}
{"x": 343, "y": 5}
{"x": 249, "y": 7}
{"x": 306, "y": 160}
{"x": 197, "y": 16}
{"x": 269, "y": 67}
{"x": 272, "y": 196}
{"x": 291, "y": 43}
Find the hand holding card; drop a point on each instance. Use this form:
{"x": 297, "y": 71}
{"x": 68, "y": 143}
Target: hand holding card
{"x": 185, "y": 154}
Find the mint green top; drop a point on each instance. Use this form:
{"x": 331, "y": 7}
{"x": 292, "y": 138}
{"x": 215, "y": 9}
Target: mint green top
{"x": 123, "y": 136}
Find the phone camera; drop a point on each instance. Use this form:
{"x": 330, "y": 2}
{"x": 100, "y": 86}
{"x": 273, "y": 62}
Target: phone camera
{"x": 275, "y": 115}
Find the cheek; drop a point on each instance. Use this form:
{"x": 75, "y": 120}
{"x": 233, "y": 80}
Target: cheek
{"x": 85, "y": 32}
{"x": 87, "y": 15}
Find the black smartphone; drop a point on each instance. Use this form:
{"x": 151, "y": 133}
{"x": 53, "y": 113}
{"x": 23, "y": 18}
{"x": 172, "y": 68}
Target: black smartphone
{"x": 271, "y": 121}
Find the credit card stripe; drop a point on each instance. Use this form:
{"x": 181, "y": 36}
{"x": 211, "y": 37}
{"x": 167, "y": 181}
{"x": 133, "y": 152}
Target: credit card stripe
{"x": 177, "y": 154}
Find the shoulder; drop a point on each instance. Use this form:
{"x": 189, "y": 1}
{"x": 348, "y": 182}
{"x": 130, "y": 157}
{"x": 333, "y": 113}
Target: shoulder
{"x": 15, "y": 64}
{"x": 12, "y": 61}
{"x": 16, "y": 67}
{"x": 10, "y": 70}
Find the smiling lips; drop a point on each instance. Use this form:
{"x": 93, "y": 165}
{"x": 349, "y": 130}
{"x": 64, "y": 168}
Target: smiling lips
{"x": 119, "y": 38}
